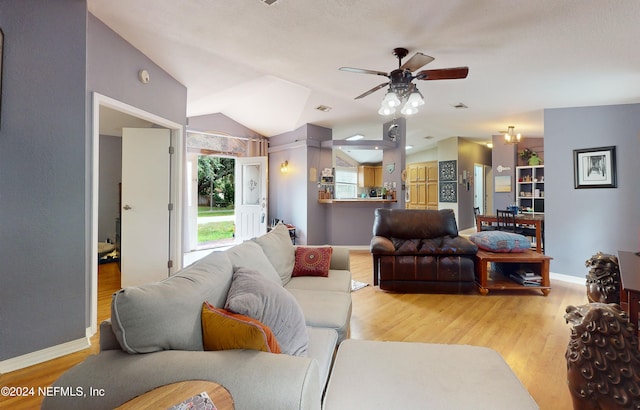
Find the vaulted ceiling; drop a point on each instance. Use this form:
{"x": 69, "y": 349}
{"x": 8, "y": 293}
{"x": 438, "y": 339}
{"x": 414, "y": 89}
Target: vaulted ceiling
{"x": 269, "y": 66}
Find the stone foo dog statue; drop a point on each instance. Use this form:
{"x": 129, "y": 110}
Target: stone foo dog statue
{"x": 603, "y": 360}
{"x": 603, "y": 278}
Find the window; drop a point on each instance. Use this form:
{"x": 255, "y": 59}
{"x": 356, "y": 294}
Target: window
{"x": 346, "y": 182}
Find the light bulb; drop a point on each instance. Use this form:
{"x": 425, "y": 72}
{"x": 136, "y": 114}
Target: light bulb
{"x": 415, "y": 99}
{"x": 391, "y": 100}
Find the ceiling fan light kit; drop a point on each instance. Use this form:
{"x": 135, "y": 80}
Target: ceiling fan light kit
{"x": 401, "y": 87}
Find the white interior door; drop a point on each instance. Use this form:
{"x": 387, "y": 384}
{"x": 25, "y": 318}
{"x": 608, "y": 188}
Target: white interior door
{"x": 144, "y": 252}
{"x": 251, "y": 197}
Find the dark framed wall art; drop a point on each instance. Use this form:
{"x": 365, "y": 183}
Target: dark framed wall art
{"x": 595, "y": 168}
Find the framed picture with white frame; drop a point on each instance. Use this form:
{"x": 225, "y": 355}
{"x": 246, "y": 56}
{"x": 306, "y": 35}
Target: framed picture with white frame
{"x": 595, "y": 168}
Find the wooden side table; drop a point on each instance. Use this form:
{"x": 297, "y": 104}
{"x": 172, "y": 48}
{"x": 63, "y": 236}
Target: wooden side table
{"x": 169, "y": 395}
{"x": 538, "y": 262}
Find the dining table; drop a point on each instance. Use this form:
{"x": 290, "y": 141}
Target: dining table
{"x": 535, "y": 220}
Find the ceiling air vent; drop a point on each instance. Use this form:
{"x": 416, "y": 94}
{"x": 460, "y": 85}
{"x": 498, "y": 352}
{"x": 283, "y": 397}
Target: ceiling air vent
{"x": 323, "y": 108}
{"x": 269, "y": 2}
{"x": 459, "y": 106}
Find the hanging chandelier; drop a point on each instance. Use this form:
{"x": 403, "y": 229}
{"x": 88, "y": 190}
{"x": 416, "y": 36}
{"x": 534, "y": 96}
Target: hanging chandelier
{"x": 510, "y": 137}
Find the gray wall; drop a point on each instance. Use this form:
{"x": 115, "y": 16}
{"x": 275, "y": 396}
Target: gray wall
{"x": 469, "y": 154}
{"x": 43, "y": 148}
{"x": 293, "y": 197}
{"x": 581, "y": 222}
{"x": 55, "y": 55}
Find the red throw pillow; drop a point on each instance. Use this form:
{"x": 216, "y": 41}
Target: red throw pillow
{"x": 312, "y": 261}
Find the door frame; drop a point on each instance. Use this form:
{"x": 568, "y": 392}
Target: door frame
{"x": 177, "y": 173}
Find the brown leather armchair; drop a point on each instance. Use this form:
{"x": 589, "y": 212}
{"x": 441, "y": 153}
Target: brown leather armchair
{"x": 421, "y": 251}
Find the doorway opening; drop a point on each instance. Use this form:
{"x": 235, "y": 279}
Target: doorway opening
{"x": 216, "y": 201}
{"x": 107, "y": 111}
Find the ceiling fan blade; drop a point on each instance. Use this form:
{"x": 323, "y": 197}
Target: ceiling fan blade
{"x": 363, "y": 71}
{"x": 416, "y": 61}
{"x": 443, "y": 74}
{"x": 373, "y": 90}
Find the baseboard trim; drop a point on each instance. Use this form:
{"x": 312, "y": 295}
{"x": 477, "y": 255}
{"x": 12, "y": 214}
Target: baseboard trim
{"x": 53, "y": 352}
{"x": 567, "y": 278}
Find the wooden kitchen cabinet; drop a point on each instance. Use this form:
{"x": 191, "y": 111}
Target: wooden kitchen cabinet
{"x": 422, "y": 185}
{"x": 369, "y": 176}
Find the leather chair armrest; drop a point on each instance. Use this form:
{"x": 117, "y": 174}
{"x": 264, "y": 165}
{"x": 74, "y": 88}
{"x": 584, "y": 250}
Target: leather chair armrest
{"x": 380, "y": 244}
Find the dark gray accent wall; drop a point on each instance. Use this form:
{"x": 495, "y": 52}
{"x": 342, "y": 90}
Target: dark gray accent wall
{"x": 43, "y": 193}
{"x": 581, "y": 222}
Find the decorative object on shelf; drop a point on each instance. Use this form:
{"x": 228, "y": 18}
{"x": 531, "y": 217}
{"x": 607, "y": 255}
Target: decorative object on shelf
{"x": 602, "y": 356}
{"x": 447, "y": 170}
{"x": 603, "y": 278}
{"x": 284, "y": 167}
{"x": 595, "y": 168}
{"x": 401, "y": 87}
{"x": 510, "y": 137}
{"x": 530, "y": 157}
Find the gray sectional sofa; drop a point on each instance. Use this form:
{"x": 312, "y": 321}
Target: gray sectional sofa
{"x": 154, "y": 336}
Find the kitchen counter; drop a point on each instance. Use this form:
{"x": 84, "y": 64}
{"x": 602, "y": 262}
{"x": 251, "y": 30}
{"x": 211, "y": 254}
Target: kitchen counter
{"x": 357, "y": 200}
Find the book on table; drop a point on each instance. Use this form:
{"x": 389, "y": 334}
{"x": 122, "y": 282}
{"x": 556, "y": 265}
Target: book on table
{"x": 526, "y": 278}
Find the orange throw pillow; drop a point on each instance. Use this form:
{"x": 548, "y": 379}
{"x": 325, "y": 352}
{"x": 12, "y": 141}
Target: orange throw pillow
{"x": 312, "y": 261}
{"x": 225, "y": 330}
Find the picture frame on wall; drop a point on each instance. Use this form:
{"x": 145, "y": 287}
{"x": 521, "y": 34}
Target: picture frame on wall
{"x": 595, "y": 168}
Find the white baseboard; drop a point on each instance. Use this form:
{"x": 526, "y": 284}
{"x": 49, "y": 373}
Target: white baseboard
{"x": 568, "y": 278}
{"x": 53, "y": 352}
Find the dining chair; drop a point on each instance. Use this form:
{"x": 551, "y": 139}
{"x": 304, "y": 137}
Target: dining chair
{"x": 483, "y": 226}
{"x": 507, "y": 222}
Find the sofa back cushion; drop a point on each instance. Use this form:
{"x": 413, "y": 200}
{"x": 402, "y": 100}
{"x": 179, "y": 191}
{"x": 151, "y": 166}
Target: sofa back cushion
{"x": 414, "y": 223}
{"x": 166, "y": 315}
{"x": 279, "y": 250}
{"x": 251, "y": 256}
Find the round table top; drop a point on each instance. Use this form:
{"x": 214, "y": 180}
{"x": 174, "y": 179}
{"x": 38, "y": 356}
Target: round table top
{"x": 174, "y": 393}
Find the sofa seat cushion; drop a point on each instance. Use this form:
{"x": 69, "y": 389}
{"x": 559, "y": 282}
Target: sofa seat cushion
{"x": 253, "y": 295}
{"x": 337, "y": 281}
{"x": 166, "y": 315}
{"x": 322, "y": 347}
{"x": 500, "y": 241}
{"x": 445, "y": 245}
{"x": 331, "y": 310}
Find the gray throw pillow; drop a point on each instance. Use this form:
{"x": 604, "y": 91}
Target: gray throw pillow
{"x": 251, "y": 294}
{"x": 251, "y": 256}
{"x": 279, "y": 250}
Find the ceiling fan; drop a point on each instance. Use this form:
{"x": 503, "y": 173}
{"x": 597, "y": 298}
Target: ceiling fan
{"x": 401, "y": 79}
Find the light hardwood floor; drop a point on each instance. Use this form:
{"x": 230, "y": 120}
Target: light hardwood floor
{"x": 526, "y": 328}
